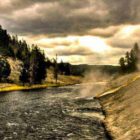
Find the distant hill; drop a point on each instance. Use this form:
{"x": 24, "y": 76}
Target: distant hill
{"x": 84, "y": 68}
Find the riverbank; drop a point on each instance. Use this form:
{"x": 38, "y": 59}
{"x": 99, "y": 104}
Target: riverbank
{"x": 63, "y": 81}
{"x": 121, "y": 108}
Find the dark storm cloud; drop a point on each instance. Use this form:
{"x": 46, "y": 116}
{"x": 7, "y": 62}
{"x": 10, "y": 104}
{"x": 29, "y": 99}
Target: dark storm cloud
{"x": 9, "y": 6}
{"x": 48, "y": 19}
{"x": 124, "y": 11}
{"x": 66, "y": 16}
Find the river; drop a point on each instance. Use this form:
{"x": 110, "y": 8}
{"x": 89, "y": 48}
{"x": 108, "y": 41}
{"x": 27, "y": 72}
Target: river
{"x": 50, "y": 114}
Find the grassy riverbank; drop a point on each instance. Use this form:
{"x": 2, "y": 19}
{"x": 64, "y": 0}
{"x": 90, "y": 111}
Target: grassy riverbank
{"x": 121, "y": 108}
{"x": 62, "y": 81}
{"x": 15, "y": 65}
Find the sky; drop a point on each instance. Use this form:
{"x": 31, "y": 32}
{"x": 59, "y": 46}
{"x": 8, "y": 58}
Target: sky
{"x": 79, "y": 31}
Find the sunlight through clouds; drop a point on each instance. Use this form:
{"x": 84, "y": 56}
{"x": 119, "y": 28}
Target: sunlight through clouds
{"x": 96, "y": 44}
{"x": 79, "y": 31}
{"x": 85, "y": 48}
{"x": 128, "y": 30}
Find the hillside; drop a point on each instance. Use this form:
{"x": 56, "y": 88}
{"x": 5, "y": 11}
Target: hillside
{"x": 121, "y": 108}
{"x": 84, "y": 69}
{"x": 15, "y": 69}
{"x": 13, "y": 83}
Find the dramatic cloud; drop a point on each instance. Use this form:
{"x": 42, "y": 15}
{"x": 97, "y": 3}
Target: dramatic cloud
{"x": 64, "y": 26}
{"x": 125, "y": 37}
{"x": 66, "y": 16}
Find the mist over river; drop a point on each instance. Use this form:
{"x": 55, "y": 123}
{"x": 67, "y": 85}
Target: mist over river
{"x": 51, "y": 114}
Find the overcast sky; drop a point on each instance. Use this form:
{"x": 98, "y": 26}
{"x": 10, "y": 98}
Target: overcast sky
{"x": 79, "y": 31}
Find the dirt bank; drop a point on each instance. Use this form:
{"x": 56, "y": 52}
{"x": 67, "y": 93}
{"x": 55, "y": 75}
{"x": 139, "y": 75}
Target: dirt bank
{"x": 122, "y": 111}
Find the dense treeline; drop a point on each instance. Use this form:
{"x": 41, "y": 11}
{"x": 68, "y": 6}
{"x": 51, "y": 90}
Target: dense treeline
{"x": 34, "y": 67}
{"x": 5, "y": 69}
{"x": 129, "y": 63}
{"x": 11, "y": 47}
{"x": 34, "y": 62}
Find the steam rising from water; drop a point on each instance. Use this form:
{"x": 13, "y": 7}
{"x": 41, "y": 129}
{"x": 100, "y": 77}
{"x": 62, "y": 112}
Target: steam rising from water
{"x": 93, "y": 84}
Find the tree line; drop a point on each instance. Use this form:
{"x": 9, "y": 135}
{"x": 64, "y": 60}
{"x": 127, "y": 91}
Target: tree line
{"x": 129, "y": 63}
{"x": 34, "y": 62}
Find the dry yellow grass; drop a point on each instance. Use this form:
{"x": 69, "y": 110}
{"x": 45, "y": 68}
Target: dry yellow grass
{"x": 63, "y": 81}
{"x": 122, "y": 108}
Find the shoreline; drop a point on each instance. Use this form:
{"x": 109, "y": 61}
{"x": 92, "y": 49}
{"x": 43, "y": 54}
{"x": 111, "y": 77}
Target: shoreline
{"x": 104, "y": 124}
{"x": 62, "y": 81}
{"x": 15, "y": 87}
{"x": 117, "y": 106}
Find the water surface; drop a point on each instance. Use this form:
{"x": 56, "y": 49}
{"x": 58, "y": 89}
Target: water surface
{"x": 51, "y": 114}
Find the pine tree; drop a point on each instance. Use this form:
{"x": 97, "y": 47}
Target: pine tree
{"x": 61, "y": 67}
{"x": 122, "y": 64}
{"x": 55, "y": 70}
{"x": 24, "y": 74}
{"x": 37, "y": 66}
{"x": 67, "y": 69}
{"x": 131, "y": 60}
{"x": 5, "y": 69}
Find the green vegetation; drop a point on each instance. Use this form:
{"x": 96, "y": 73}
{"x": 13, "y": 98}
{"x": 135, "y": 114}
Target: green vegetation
{"x": 24, "y": 74}
{"x": 34, "y": 67}
{"x": 4, "y": 69}
{"x": 129, "y": 63}
{"x": 55, "y": 72}
{"x": 34, "y": 64}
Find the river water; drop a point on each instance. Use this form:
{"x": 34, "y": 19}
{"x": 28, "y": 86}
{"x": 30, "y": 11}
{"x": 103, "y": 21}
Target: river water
{"x": 50, "y": 114}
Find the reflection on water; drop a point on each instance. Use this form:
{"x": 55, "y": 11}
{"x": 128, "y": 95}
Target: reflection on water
{"x": 52, "y": 114}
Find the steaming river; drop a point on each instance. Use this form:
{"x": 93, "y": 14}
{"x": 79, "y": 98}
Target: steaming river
{"x": 50, "y": 114}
